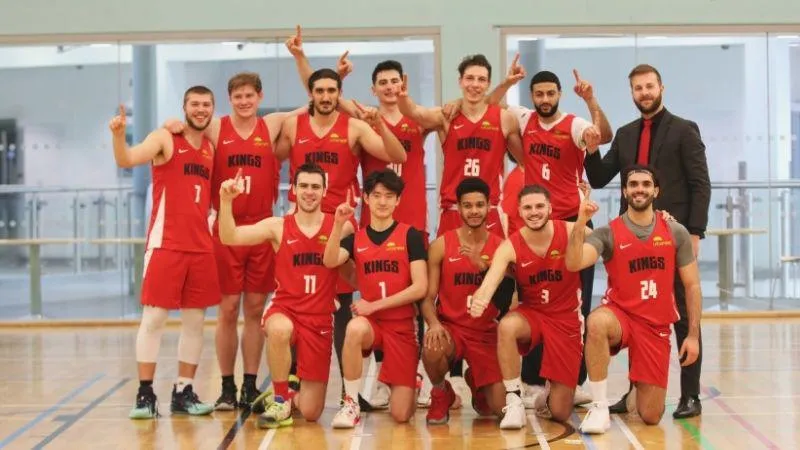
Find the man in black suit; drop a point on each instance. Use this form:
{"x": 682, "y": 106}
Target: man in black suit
{"x": 673, "y": 146}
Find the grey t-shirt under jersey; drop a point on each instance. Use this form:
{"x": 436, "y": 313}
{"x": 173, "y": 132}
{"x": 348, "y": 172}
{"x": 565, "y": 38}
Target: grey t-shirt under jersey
{"x": 603, "y": 240}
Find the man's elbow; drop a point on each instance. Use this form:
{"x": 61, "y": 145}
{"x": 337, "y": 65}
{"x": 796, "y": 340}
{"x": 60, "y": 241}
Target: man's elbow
{"x": 329, "y": 262}
{"x": 400, "y": 159}
{"x": 572, "y": 265}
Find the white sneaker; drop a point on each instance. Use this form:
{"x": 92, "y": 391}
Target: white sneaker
{"x": 530, "y": 393}
{"x": 513, "y": 413}
{"x": 423, "y": 390}
{"x": 348, "y": 416}
{"x": 380, "y": 396}
{"x": 461, "y": 389}
{"x": 597, "y": 420}
{"x": 581, "y": 396}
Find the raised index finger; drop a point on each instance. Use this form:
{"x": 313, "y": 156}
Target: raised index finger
{"x": 238, "y": 175}
{"x": 577, "y": 76}
{"x": 122, "y": 110}
{"x": 515, "y": 62}
{"x": 344, "y": 55}
{"x": 358, "y": 105}
{"x": 298, "y": 32}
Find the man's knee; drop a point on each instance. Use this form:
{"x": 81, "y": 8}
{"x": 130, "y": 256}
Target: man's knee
{"x": 600, "y": 323}
{"x": 511, "y": 326}
{"x": 229, "y": 309}
{"x": 357, "y": 328}
{"x": 401, "y": 413}
{"x": 279, "y": 328}
{"x": 254, "y": 306}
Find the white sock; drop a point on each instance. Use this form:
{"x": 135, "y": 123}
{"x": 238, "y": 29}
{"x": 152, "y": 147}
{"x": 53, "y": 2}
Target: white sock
{"x": 513, "y": 385}
{"x": 182, "y": 383}
{"x": 351, "y": 388}
{"x": 599, "y": 391}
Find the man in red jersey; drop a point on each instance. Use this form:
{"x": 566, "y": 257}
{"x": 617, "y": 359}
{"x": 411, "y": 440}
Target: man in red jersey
{"x": 473, "y": 142}
{"x": 548, "y": 313}
{"x": 300, "y": 313}
{"x": 391, "y": 274}
{"x": 244, "y": 141}
{"x": 179, "y": 269}
{"x": 555, "y": 144}
{"x": 641, "y": 251}
{"x": 457, "y": 262}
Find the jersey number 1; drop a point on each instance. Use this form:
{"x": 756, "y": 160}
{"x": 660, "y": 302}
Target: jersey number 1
{"x": 197, "y": 189}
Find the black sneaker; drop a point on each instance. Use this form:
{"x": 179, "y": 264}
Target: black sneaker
{"x": 227, "y": 399}
{"x": 146, "y": 405}
{"x": 187, "y": 402}
{"x": 247, "y": 399}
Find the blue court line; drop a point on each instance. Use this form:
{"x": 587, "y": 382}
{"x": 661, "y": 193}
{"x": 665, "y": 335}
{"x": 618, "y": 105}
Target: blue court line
{"x": 70, "y": 420}
{"x": 23, "y": 429}
{"x": 586, "y": 438}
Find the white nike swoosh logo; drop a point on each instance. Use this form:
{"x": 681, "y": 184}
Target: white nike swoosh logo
{"x": 526, "y": 264}
{"x": 663, "y": 334}
{"x": 324, "y": 332}
{"x": 362, "y": 249}
{"x": 183, "y": 150}
{"x": 454, "y": 259}
{"x": 292, "y": 241}
{"x": 303, "y": 141}
{"x": 491, "y": 225}
{"x": 457, "y": 126}
{"x": 227, "y": 142}
{"x": 624, "y": 246}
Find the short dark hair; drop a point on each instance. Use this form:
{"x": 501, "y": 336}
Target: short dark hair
{"x": 642, "y": 69}
{"x": 639, "y": 168}
{"x": 385, "y": 66}
{"x": 545, "y": 76}
{"x": 202, "y": 90}
{"x": 472, "y": 184}
{"x": 309, "y": 168}
{"x": 321, "y": 74}
{"x": 474, "y": 60}
{"x": 387, "y": 177}
{"x": 533, "y": 189}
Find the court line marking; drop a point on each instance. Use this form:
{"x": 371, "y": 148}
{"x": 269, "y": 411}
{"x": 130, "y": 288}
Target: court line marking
{"x": 587, "y": 439}
{"x": 265, "y": 443}
{"x": 74, "y": 393}
{"x": 740, "y": 420}
{"x": 627, "y": 432}
{"x": 537, "y": 429}
{"x": 240, "y": 421}
{"x": 75, "y": 418}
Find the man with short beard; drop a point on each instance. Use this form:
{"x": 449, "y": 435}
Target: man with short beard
{"x": 644, "y": 254}
{"x": 673, "y": 147}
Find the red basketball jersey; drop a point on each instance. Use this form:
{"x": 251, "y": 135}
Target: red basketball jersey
{"x": 460, "y": 279}
{"x": 383, "y": 270}
{"x": 554, "y": 161}
{"x": 545, "y": 283}
{"x": 515, "y": 181}
{"x": 304, "y": 284}
{"x": 331, "y": 152}
{"x": 641, "y": 273}
{"x": 473, "y": 149}
{"x": 259, "y": 168}
{"x": 413, "y": 207}
{"x": 181, "y": 198}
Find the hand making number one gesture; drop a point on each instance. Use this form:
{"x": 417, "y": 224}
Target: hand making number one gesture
{"x": 231, "y": 188}
{"x": 345, "y": 210}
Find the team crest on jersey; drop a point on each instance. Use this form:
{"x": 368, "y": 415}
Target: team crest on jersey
{"x": 205, "y": 153}
{"x": 555, "y": 254}
{"x": 486, "y": 125}
{"x": 407, "y": 129}
{"x": 323, "y": 239}
{"x": 334, "y": 137}
{"x": 558, "y": 134}
{"x": 258, "y": 142}
{"x": 485, "y": 257}
{"x": 658, "y": 241}
{"x": 392, "y": 247}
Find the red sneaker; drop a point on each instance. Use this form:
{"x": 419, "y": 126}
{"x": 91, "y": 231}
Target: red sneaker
{"x": 441, "y": 399}
{"x": 479, "y": 402}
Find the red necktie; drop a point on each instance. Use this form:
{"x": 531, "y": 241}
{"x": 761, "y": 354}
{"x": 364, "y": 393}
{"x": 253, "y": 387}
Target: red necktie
{"x": 644, "y": 143}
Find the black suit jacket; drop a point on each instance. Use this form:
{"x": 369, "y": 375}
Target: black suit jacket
{"x": 679, "y": 158}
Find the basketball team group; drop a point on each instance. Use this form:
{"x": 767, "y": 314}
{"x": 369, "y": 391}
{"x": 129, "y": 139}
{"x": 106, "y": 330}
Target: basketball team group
{"x": 503, "y": 288}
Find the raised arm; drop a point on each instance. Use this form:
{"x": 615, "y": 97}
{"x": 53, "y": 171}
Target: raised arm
{"x": 230, "y": 234}
{"x": 516, "y": 73}
{"x": 428, "y": 118}
{"x": 152, "y": 146}
{"x": 383, "y": 145}
{"x": 285, "y": 139}
{"x": 503, "y": 256}
{"x": 335, "y": 255}
{"x": 511, "y": 130}
{"x": 585, "y": 91}
{"x": 581, "y": 254}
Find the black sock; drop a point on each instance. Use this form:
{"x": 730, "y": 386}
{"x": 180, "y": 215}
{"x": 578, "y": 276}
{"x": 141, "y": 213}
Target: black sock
{"x": 249, "y": 380}
{"x": 145, "y": 385}
{"x": 227, "y": 381}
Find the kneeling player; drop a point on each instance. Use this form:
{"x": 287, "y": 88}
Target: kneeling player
{"x": 392, "y": 275}
{"x": 301, "y": 313}
{"x": 457, "y": 261}
{"x": 549, "y": 310}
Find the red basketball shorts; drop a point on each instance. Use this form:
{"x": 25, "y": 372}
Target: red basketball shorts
{"x": 174, "y": 279}
{"x": 312, "y": 340}
{"x": 648, "y": 348}
{"x": 562, "y": 340}
{"x": 398, "y": 341}
{"x": 479, "y": 349}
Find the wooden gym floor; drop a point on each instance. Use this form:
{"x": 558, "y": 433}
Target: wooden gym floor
{"x": 72, "y": 388}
